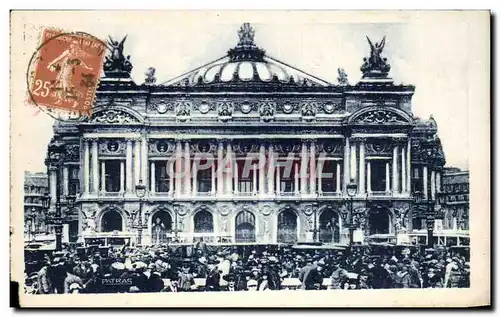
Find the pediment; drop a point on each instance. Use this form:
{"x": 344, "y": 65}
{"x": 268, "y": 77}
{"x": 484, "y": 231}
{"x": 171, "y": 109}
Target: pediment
{"x": 380, "y": 116}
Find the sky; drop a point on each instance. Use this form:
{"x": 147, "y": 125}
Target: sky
{"x": 431, "y": 51}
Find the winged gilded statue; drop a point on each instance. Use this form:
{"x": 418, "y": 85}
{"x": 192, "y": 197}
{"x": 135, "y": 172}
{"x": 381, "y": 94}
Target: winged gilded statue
{"x": 376, "y": 51}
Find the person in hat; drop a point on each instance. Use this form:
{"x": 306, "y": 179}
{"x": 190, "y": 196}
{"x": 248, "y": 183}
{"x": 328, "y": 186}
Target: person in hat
{"x": 173, "y": 286}
{"x": 252, "y": 285}
{"x": 338, "y": 276}
{"x": 231, "y": 283}
{"x": 70, "y": 279}
{"x": 75, "y": 288}
{"x": 155, "y": 283}
{"x": 186, "y": 279}
{"x": 44, "y": 281}
{"x": 212, "y": 282}
{"x": 311, "y": 277}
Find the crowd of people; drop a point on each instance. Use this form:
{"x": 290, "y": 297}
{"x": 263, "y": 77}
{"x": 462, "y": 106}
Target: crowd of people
{"x": 167, "y": 268}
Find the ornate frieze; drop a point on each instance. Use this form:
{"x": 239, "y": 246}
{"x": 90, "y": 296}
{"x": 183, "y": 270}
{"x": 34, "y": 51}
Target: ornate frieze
{"x": 288, "y": 107}
{"x": 334, "y": 107}
{"x": 245, "y": 147}
{"x": 379, "y": 147}
{"x": 113, "y": 116}
{"x": 331, "y": 147}
{"x": 183, "y": 110}
{"x": 204, "y": 146}
{"x": 161, "y": 147}
{"x": 162, "y": 107}
{"x": 266, "y": 110}
{"x": 309, "y": 110}
{"x": 287, "y": 147}
{"x": 245, "y": 107}
{"x": 72, "y": 152}
{"x": 225, "y": 110}
{"x": 204, "y": 107}
{"x": 112, "y": 147}
{"x": 380, "y": 116}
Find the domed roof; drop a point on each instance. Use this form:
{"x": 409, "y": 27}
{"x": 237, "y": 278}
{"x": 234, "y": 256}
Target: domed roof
{"x": 244, "y": 64}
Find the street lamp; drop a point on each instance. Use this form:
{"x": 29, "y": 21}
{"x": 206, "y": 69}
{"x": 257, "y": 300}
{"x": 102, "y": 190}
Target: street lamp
{"x": 45, "y": 208}
{"x": 140, "y": 190}
{"x": 56, "y": 153}
{"x": 352, "y": 188}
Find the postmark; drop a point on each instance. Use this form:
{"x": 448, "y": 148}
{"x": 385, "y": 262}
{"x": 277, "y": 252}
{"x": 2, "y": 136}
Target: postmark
{"x": 64, "y": 73}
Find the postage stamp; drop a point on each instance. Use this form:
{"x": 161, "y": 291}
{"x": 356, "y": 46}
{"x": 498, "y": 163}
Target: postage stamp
{"x": 65, "y": 70}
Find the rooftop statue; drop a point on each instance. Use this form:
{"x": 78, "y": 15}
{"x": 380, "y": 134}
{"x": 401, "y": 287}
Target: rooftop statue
{"x": 116, "y": 61}
{"x": 246, "y": 34}
{"x": 375, "y": 65}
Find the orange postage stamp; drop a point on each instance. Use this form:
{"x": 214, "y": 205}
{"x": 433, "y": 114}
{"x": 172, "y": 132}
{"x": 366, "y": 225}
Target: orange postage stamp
{"x": 64, "y": 72}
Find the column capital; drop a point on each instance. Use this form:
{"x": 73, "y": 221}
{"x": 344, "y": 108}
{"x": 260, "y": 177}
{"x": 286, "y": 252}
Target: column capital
{"x": 90, "y": 139}
{"x": 131, "y": 139}
{"x": 358, "y": 139}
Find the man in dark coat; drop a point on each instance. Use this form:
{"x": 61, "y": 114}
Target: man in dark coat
{"x": 212, "y": 282}
{"x": 312, "y": 277}
{"x": 155, "y": 283}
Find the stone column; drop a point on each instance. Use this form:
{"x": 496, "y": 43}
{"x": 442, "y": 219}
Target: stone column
{"x": 319, "y": 171}
{"x": 153, "y": 177}
{"x": 194, "y": 172}
{"x": 254, "y": 179}
{"x": 53, "y": 183}
{"x": 144, "y": 160}
{"x": 228, "y": 168}
{"x": 220, "y": 166}
{"x": 347, "y": 151}
{"x": 212, "y": 179}
{"x": 235, "y": 178}
{"x": 424, "y": 172}
{"x": 438, "y": 182}
{"x": 312, "y": 168}
{"x": 122, "y": 177}
{"x": 408, "y": 166}
{"x": 262, "y": 171}
{"x": 65, "y": 180}
{"x": 395, "y": 178}
{"x": 353, "y": 162}
{"x": 187, "y": 169}
{"x": 403, "y": 170}
{"x": 128, "y": 169}
{"x": 387, "y": 178}
{"x": 278, "y": 180}
{"x": 433, "y": 185}
{"x": 171, "y": 176}
{"x": 95, "y": 167}
{"x": 270, "y": 173}
{"x": 303, "y": 167}
{"x": 369, "y": 177}
{"x": 296, "y": 178}
{"x": 86, "y": 164}
{"x": 137, "y": 162}
{"x": 337, "y": 179}
{"x": 103, "y": 176}
{"x": 362, "y": 167}
{"x": 178, "y": 168}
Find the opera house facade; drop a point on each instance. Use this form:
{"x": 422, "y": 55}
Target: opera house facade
{"x": 247, "y": 149}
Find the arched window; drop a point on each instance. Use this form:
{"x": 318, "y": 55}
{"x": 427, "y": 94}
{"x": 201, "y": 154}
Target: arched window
{"x": 329, "y": 227}
{"x": 161, "y": 224}
{"x": 287, "y": 226}
{"x": 203, "y": 221}
{"x": 245, "y": 227}
{"x": 111, "y": 221}
{"x": 379, "y": 221}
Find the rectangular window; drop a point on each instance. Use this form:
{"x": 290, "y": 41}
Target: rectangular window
{"x": 328, "y": 170}
{"x": 246, "y": 175}
{"x": 112, "y": 176}
{"x": 417, "y": 180}
{"x": 204, "y": 177}
{"x": 378, "y": 175}
{"x": 73, "y": 180}
{"x": 286, "y": 175}
{"x": 162, "y": 178}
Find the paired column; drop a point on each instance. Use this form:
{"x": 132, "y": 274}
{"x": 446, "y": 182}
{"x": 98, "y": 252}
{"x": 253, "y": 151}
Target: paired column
{"x": 408, "y": 166}
{"x": 144, "y": 160}
{"x": 178, "y": 168}
{"x": 194, "y": 172}
{"x": 95, "y": 167}
{"x": 235, "y": 178}
{"x": 387, "y": 178}
{"x": 171, "y": 177}
{"x": 369, "y": 177}
{"x": 403, "y": 170}
{"x": 303, "y": 167}
{"x": 103, "y": 176}
{"x": 262, "y": 172}
{"x": 53, "y": 182}
{"x": 433, "y": 185}
{"x": 353, "y": 162}
{"x": 254, "y": 180}
{"x": 296, "y": 178}
{"x": 212, "y": 180}
{"x": 128, "y": 168}
{"x": 319, "y": 171}
{"x": 187, "y": 169}
{"x": 270, "y": 173}
{"x": 137, "y": 162}
{"x": 425, "y": 180}
{"x": 347, "y": 151}
{"x": 85, "y": 170}
{"x": 220, "y": 166}
{"x": 228, "y": 167}
{"x": 65, "y": 180}
{"x": 312, "y": 168}
{"x": 122, "y": 176}
{"x": 361, "y": 167}
{"x": 395, "y": 178}
{"x": 337, "y": 179}
{"x": 153, "y": 177}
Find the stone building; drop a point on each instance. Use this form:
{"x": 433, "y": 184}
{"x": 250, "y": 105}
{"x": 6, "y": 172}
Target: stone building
{"x": 455, "y": 190}
{"x": 232, "y": 152}
{"x": 35, "y": 187}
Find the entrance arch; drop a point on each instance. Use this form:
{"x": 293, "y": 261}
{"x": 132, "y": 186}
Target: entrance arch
{"x": 161, "y": 225}
{"x": 245, "y": 226}
{"x": 111, "y": 220}
{"x": 329, "y": 226}
{"x": 287, "y": 226}
{"x": 379, "y": 221}
{"x": 203, "y": 222}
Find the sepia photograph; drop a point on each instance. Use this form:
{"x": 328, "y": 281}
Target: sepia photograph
{"x": 321, "y": 155}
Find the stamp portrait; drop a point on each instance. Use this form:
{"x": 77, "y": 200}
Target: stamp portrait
{"x": 65, "y": 71}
